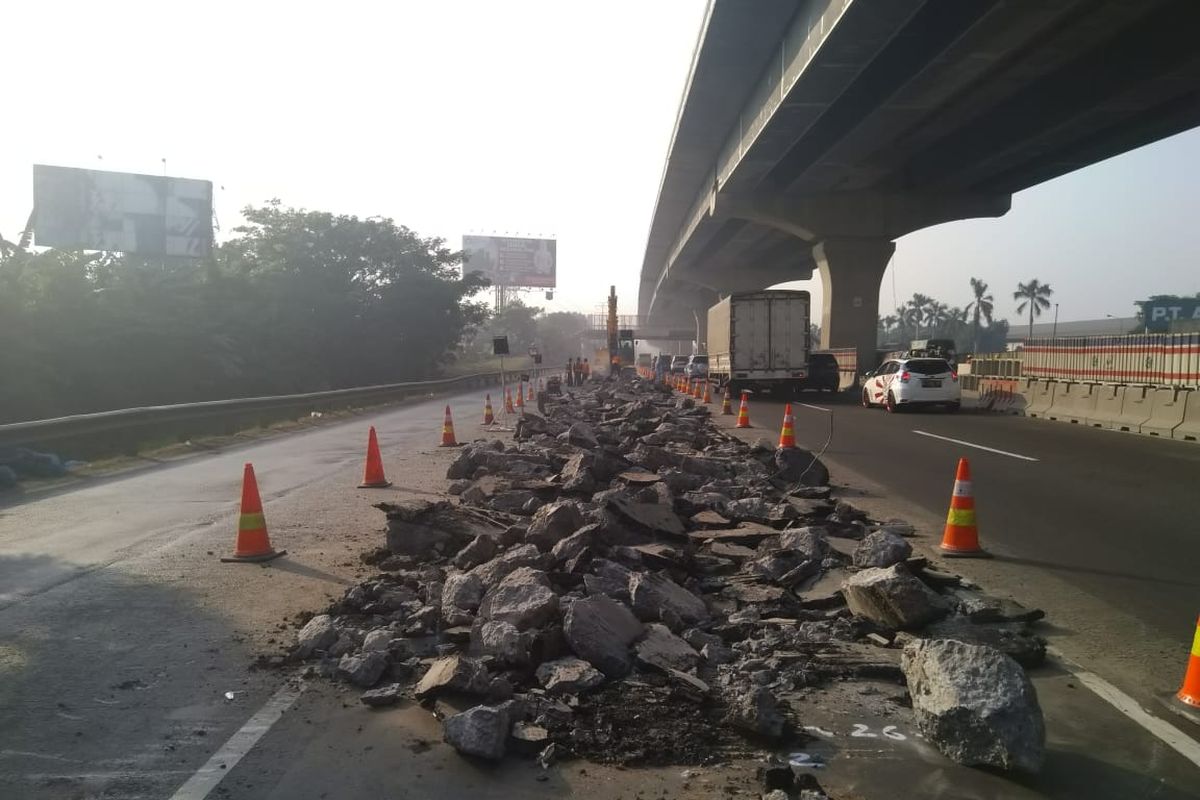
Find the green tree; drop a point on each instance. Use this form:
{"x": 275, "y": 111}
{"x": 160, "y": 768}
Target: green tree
{"x": 980, "y": 308}
{"x": 1034, "y": 297}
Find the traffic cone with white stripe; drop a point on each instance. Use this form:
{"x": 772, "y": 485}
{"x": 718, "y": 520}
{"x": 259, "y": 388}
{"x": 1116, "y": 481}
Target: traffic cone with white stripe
{"x": 253, "y": 545}
{"x": 1189, "y": 692}
{"x": 520, "y": 393}
{"x": 707, "y": 400}
{"x": 743, "y": 420}
{"x": 787, "y": 434}
{"x": 961, "y": 537}
{"x": 726, "y": 404}
{"x": 529, "y": 394}
{"x": 508, "y": 404}
{"x": 373, "y": 477}
{"x": 448, "y": 430}
{"x": 488, "y": 417}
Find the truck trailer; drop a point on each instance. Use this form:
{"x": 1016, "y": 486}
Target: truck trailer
{"x": 760, "y": 341}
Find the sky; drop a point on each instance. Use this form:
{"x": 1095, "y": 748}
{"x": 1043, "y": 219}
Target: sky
{"x": 525, "y": 117}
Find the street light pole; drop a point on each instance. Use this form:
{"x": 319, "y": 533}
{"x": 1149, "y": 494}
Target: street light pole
{"x": 1054, "y": 335}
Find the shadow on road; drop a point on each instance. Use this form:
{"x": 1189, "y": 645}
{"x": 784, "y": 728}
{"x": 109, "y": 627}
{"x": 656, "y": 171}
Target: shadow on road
{"x": 286, "y": 564}
{"x": 1106, "y": 573}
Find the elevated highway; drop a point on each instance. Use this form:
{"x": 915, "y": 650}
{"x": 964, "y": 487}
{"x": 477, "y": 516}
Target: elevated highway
{"x": 813, "y": 133}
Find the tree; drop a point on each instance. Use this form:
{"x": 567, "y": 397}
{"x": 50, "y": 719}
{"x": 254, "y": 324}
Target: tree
{"x": 559, "y": 334}
{"x": 980, "y": 308}
{"x": 1034, "y": 296}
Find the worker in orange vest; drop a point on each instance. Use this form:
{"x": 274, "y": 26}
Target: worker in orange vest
{"x": 587, "y": 370}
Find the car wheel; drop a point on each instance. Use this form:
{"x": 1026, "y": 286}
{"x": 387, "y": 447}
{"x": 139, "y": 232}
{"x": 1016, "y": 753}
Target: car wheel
{"x": 892, "y": 406}
{"x": 952, "y": 408}
{"x": 866, "y": 399}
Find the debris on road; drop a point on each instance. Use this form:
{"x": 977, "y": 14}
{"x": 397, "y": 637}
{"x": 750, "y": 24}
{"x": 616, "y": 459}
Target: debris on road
{"x": 627, "y": 583}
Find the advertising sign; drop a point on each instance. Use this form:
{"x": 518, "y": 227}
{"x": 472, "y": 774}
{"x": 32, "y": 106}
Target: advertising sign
{"x": 147, "y": 215}
{"x": 1159, "y": 313}
{"x": 511, "y": 261}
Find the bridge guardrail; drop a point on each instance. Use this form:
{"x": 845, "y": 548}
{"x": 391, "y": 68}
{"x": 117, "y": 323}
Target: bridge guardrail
{"x": 183, "y": 418}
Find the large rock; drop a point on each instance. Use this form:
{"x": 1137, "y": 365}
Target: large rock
{"x": 581, "y": 435}
{"x": 576, "y": 475}
{"x": 574, "y": 545}
{"x": 809, "y": 542}
{"x": 568, "y": 676}
{"x": 757, "y": 711}
{"x": 481, "y": 550}
{"x": 656, "y": 597}
{"x": 364, "y": 669}
{"x": 661, "y": 649}
{"x": 797, "y": 465}
{"x": 461, "y": 595}
{"x": 975, "y": 704}
{"x": 481, "y": 731}
{"x": 319, "y": 634}
{"x": 502, "y": 641}
{"x": 553, "y": 523}
{"x": 599, "y": 630}
{"x": 453, "y": 674}
{"x": 493, "y": 572}
{"x": 881, "y": 549}
{"x": 892, "y": 597}
{"x": 523, "y": 599}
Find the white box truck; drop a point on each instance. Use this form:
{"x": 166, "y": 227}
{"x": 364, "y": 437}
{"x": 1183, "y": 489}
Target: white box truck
{"x": 760, "y": 341}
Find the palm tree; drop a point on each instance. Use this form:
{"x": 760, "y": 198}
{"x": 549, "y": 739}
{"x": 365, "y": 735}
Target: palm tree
{"x": 888, "y": 323}
{"x": 979, "y": 308}
{"x": 917, "y": 310}
{"x": 1034, "y": 296}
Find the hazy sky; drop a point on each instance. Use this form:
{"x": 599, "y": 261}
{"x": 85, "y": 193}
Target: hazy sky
{"x": 520, "y": 116}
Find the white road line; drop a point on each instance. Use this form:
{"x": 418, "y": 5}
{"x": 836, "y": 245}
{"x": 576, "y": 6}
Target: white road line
{"x": 1160, "y": 729}
{"x": 814, "y": 408}
{"x": 976, "y": 446}
{"x": 201, "y": 784}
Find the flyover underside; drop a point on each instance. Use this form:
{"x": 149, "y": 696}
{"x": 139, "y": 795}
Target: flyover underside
{"x": 872, "y": 120}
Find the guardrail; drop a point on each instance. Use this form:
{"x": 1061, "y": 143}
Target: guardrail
{"x": 124, "y": 428}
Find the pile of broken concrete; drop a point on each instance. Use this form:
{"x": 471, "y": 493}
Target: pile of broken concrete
{"x": 625, "y": 582}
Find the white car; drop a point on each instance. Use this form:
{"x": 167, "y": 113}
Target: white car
{"x": 902, "y": 382}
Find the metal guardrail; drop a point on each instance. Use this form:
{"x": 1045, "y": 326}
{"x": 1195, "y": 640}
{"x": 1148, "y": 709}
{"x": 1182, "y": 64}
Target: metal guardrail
{"x": 125, "y": 421}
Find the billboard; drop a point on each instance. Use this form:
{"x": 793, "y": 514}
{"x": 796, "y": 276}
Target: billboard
{"x": 1159, "y": 312}
{"x": 511, "y": 261}
{"x": 146, "y": 215}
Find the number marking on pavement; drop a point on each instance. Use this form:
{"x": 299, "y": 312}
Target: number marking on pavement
{"x": 976, "y": 446}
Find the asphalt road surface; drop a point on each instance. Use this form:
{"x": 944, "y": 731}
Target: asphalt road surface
{"x": 126, "y": 647}
{"x": 1102, "y": 529}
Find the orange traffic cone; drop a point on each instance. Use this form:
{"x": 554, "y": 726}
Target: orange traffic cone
{"x": 373, "y": 477}
{"x": 520, "y": 393}
{"x": 488, "y": 417}
{"x": 696, "y": 391}
{"x": 1189, "y": 692}
{"x": 743, "y": 420}
{"x": 529, "y": 394}
{"x": 726, "y": 404}
{"x": 707, "y": 394}
{"x": 448, "y": 431}
{"x": 787, "y": 434}
{"x": 961, "y": 537}
{"x": 508, "y": 404}
{"x": 253, "y": 544}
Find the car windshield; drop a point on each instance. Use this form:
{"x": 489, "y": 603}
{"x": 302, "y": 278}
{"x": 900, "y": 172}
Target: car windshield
{"x": 679, "y": 360}
{"x": 927, "y": 366}
{"x": 699, "y": 359}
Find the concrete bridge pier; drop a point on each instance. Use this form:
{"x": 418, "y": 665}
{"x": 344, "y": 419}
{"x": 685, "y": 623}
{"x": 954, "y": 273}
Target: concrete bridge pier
{"x": 851, "y": 270}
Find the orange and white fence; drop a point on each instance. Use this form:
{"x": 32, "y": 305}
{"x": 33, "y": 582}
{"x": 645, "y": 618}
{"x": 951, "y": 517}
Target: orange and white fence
{"x": 1165, "y": 359}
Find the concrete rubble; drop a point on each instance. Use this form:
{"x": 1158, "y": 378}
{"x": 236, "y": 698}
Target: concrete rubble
{"x": 623, "y": 581}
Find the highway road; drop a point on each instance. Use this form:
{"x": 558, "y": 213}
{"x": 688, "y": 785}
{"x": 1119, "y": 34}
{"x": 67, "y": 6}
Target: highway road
{"x": 1100, "y": 528}
{"x": 126, "y": 647}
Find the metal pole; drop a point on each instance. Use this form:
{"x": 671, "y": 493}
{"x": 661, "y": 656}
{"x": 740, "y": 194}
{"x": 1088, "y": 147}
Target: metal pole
{"x": 1055, "y": 333}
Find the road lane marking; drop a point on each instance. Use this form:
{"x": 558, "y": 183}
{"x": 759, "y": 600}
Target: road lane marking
{"x": 1160, "y": 729}
{"x": 976, "y": 446}
{"x": 205, "y": 779}
{"x": 814, "y": 408}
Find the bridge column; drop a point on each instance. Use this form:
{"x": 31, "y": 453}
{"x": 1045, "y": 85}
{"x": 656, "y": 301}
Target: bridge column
{"x": 851, "y": 270}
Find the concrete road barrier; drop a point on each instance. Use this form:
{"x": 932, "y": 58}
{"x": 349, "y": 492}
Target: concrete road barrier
{"x": 1135, "y": 411}
{"x": 1109, "y": 399}
{"x": 1166, "y": 411}
{"x": 1189, "y": 429}
{"x": 1041, "y": 397}
{"x": 1073, "y": 402}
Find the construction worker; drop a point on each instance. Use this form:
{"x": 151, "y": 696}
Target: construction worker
{"x": 578, "y": 372}
{"x": 570, "y": 373}
{"x": 587, "y": 370}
